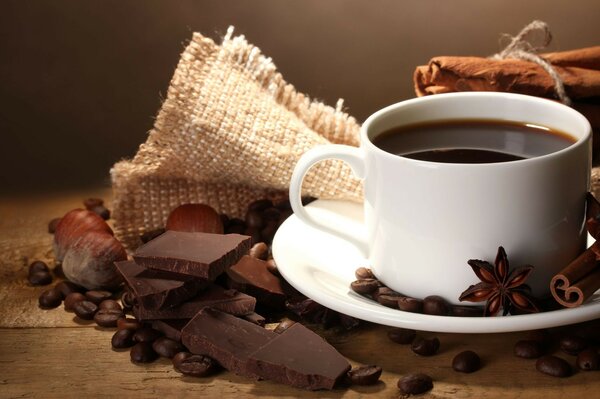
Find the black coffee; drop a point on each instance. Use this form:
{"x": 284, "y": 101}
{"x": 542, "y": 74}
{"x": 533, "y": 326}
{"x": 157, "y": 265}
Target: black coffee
{"x": 472, "y": 141}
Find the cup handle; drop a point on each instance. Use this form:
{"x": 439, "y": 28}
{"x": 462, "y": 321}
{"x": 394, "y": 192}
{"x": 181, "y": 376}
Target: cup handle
{"x": 351, "y": 155}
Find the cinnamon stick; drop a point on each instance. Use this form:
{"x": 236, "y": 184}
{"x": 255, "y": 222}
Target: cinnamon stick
{"x": 577, "y": 282}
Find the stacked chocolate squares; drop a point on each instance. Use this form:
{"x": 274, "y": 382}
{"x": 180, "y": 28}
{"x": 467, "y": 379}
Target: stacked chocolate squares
{"x": 202, "y": 289}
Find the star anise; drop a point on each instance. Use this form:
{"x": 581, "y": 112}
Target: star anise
{"x": 500, "y": 288}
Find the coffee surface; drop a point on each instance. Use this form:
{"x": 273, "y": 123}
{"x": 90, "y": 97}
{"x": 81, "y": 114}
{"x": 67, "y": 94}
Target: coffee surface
{"x": 472, "y": 141}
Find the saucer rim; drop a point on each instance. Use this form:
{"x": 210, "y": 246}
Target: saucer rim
{"x": 369, "y": 310}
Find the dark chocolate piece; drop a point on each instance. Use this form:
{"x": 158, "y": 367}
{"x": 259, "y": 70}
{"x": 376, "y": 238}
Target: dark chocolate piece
{"x": 156, "y": 289}
{"x": 171, "y": 328}
{"x": 202, "y": 255}
{"x": 300, "y": 358}
{"x": 229, "y": 301}
{"x": 226, "y": 338}
{"x": 251, "y": 275}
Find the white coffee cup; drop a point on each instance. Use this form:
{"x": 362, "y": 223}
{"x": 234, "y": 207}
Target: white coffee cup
{"x": 424, "y": 220}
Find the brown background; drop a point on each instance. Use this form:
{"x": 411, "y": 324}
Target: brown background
{"x": 80, "y": 81}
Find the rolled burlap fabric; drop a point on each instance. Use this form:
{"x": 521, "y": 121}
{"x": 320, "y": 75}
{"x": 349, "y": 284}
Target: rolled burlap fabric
{"x": 229, "y": 132}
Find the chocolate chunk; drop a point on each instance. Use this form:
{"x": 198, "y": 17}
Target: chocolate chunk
{"x": 300, "y": 358}
{"x": 226, "y": 338}
{"x": 157, "y": 289}
{"x": 202, "y": 255}
{"x": 229, "y": 301}
{"x": 251, "y": 275}
{"x": 171, "y": 328}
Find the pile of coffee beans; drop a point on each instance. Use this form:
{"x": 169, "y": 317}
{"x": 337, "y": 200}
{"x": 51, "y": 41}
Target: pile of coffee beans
{"x": 369, "y": 286}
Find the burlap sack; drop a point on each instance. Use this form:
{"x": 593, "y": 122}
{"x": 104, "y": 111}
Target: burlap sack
{"x": 230, "y": 131}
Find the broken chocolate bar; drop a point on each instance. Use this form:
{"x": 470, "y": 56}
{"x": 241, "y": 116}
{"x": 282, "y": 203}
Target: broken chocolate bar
{"x": 171, "y": 328}
{"x": 300, "y": 358}
{"x": 229, "y": 301}
{"x": 251, "y": 275}
{"x": 255, "y": 318}
{"x": 156, "y": 289}
{"x": 202, "y": 255}
{"x": 227, "y": 339}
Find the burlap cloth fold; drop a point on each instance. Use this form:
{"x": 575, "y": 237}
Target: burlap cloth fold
{"x": 230, "y": 131}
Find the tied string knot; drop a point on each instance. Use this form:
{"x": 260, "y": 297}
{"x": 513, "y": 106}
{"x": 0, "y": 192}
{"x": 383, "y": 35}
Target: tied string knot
{"x": 521, "y": 48}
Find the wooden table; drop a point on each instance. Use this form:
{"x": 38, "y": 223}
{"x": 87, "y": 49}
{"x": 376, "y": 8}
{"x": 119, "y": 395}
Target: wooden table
{"x": 47, "y": 353}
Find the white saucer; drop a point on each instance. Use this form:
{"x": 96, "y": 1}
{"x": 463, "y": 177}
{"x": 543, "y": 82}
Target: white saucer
{"x": 321, "y": 266}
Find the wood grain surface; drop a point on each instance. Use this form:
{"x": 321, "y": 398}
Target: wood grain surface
{"x": 48, "y": 354}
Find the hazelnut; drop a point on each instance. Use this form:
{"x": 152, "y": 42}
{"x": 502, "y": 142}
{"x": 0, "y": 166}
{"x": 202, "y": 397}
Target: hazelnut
{"x": 89, "y": 262}
{"x": 195, "y": 218}
{"x": 72, "y": 226}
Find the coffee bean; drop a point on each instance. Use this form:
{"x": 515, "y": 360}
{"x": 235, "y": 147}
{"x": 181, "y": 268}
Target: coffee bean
{"x": 414, "y": 384}
{"x": 435, "y": 305}
{"x": 235, "y": 226}
{"x": 572, "y": 344}
{"x": 382, "y": 290}
{"x": 402, "y": 336}
{"x": 151, "y": 235}
{"x": 98, "y": 296}
{"x": 49, "y": 299}
{"x": 466, "y": 311}
{"x": 85, "y": 309}
{"x": 426, "y": 347}
{"x": 90, "y": 203}
{"x": 260, "y": 205}
{"x": 259, "y": 250}
{"x": 101, "y": 211}
{"x": 268, "y": 232}
{"x": 588, "y": 359}
{"x": 348, "y": 322}
{"x": 364, "y": 375}
{"x": 466, "y": 362}
{"x": 254, "y": 219}
{"x": 52, "y": 225}
{"x": 146, "y": 334}
{"x": 363, "y": 273}
{"x": 142, "y": 352}
{"x": 40, "y": 278}
{"x": 129, "y": 324}
{"x": 122, "y": 339}
{"x": 72, "y": 299}
{"x": 194, "y": 365}
{"x": 67, "y": 287}
{"x": 254, "y": 233}
{"x": 284, "y": 325}
{"x": 388, "y": 301}
{"x": 38, "y": 266}
{"x": 167, "y": 347}
{"x": 108, "y": 317}
{"x": 408, "y": 304}
{"x": 365, "y": 286}
{"x": 110, "y": 304}
{"x": 128, "y": 300}
{"x": 554, "y": 366}
{"x": 528, "y": 349}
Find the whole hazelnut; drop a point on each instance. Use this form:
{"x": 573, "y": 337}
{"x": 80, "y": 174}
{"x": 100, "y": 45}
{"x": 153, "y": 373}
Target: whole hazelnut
{"x": 72, "y": 226}
{"x": 89, "y": 262}
{"x": 195, "y": 218}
